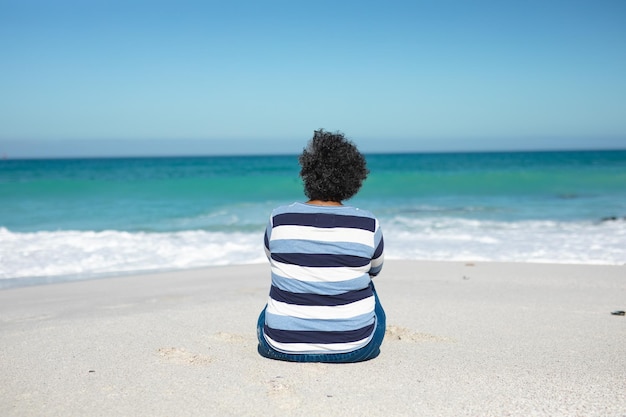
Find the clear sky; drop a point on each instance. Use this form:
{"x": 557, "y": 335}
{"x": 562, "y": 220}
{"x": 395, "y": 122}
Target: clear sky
{"x": 112, "y": 77}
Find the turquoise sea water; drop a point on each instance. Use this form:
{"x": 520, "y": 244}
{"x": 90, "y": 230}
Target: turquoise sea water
{"x": 84, "y": 217}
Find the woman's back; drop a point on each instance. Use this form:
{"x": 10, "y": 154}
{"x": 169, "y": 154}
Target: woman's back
{"x": 322, "y": 258}
{"x": 322, "y": 305}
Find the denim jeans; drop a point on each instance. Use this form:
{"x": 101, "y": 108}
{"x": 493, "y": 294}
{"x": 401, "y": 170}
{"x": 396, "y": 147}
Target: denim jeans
{"x": 369, "y": 351}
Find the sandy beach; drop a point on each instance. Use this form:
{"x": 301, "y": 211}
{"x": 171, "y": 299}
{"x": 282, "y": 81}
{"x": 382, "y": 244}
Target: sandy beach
{"x": 463, "y": 339}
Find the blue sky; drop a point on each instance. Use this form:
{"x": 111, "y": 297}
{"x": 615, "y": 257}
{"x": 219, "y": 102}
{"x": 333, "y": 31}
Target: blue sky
{"x": 101, "y": 78}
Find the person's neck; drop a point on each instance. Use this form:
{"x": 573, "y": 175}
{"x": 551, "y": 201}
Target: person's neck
{"x": 324, "y": 203}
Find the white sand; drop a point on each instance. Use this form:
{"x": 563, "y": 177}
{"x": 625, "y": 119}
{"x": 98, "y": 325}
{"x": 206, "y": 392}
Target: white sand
{"x": 463, "y": 340}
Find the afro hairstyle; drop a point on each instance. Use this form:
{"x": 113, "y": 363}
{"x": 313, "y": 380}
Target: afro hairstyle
{"x": 332, "y": 168}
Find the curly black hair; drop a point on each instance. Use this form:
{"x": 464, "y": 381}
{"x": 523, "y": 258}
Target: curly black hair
{"x": 333, "y": 169}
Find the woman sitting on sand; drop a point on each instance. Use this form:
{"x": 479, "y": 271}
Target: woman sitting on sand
{"x": 322, "y": 305}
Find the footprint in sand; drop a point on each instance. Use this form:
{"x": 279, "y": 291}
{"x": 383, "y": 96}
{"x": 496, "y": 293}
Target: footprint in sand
{"x": 281, "y": 393}
{"x": 30, "y": 318}
{"x": 276, "y": 386}
{"x": 397, "y": 333}
{"x": 229, "y": 337}
{"x": 182, "y": 357}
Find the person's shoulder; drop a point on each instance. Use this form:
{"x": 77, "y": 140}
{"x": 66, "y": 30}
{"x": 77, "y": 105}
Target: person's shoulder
{"x": 356, "y": 211}
{"x": 288, "y": 208}
{"x": 302, "y": 208}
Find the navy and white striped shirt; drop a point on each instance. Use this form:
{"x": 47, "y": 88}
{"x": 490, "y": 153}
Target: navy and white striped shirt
{"x": 322, "y": 260}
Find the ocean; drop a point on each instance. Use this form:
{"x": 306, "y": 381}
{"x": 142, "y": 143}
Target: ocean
{"x": 71, "y": 219}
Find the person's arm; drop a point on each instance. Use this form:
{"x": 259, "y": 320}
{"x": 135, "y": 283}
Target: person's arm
{"x": 379, "y": 253}
{"x": 266, "y": 240}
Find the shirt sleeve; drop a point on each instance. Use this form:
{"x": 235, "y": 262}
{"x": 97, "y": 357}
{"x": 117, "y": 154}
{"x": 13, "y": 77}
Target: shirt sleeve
{"x": 379, "y": 253}
{"x": 267, "y": 237}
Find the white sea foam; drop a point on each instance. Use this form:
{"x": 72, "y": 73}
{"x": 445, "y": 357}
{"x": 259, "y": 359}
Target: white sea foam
{"x": 83, "y": 254}
{"x": 65, "y": 253}
{"x": 523, "y": 241}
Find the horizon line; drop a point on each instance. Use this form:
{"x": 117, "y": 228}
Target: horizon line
{"x": 6, "y": 157}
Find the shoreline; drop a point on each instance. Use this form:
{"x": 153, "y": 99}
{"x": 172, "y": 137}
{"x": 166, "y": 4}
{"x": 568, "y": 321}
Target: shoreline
{"x": 463, "y": 339}
{"x": 22, "y": 282}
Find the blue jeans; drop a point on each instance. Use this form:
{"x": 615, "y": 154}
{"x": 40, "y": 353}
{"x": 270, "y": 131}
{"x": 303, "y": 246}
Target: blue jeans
{"x": 367, "y": 352}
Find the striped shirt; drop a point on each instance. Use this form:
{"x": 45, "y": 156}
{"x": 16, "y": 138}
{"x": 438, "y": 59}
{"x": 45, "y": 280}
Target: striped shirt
{"x": 322, "y": 259}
